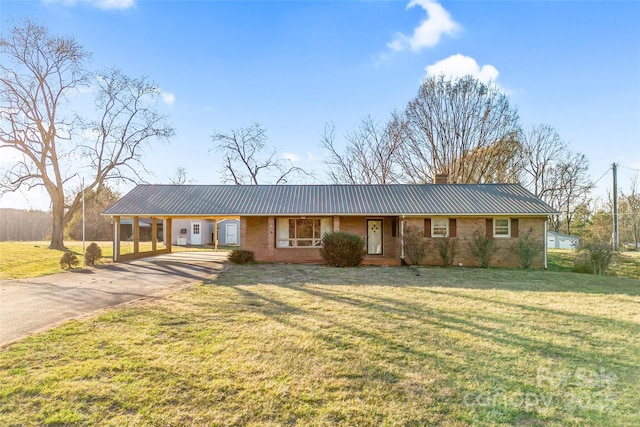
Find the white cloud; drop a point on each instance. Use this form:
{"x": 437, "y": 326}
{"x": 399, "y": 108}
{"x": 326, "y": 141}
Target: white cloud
{"x": 100, "y": 4}
{"x": 428, "y": 33}
{"x": 457, "y": 66}
{"x": 168, "y": 98}
{"x": 291, "y": 157}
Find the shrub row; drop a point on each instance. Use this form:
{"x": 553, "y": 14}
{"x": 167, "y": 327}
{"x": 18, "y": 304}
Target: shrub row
{"x": 481, "y": 247}
{"x": 92, "y": 254}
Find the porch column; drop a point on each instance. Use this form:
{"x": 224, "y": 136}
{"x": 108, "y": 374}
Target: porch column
{"x": 116, "y": 238}
{"x": 154, "y": 234}
{"x": 168, "y": 234}
{"x": 215, "y": 234}
{"x": 136, "y": 234}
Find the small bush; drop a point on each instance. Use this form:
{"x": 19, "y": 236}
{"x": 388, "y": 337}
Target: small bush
{"x": 92, "y": 254}
{"x": 242, "y": 256}
{"x": 68, "y": 260}
{"x": 598, "y": 255}
{"x": 415, "y": 244}
{"x": 482, "y": 248}
{"x": 447, "y": 250}
{"x": 527, "y": 248}
{"x": 341, "y": 249}
{"x": 581, "y": 265}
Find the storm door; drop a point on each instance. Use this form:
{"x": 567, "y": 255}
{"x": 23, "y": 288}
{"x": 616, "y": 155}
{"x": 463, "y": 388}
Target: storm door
{"x": 374, "y": 236}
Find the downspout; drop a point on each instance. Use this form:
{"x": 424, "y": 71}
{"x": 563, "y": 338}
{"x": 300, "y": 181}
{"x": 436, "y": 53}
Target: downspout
{"x": 402, "y": 241}
{"x": 545, "y": 243}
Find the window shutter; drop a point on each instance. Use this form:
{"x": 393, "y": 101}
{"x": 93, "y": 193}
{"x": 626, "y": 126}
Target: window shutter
{"x": 394, "y": 227}
{"x": 514, "y": 227}
{"x": 427, "y": 227}
{"x": 452, "y": 227}
{"x": 489, "y": 227}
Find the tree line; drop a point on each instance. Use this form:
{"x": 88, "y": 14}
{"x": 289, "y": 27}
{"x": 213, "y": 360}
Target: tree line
{"x": 464, "y": 128}
{"x": 27, "y": 225}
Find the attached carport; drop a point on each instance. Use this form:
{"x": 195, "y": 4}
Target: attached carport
{"x": 189, "y": 202}
{"x": 167, "y": 230}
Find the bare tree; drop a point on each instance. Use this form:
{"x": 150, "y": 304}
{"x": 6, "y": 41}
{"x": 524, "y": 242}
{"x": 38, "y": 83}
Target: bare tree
{"x": 457, "y": 127}
{"x": 39, "y": 71}
{"x": 368, "y": 158}
{"x": 629, "y": 208}
{"x": 542, "y": 148}
{"x": 247, "y": 160}
{"x": 552, "y": 172}
{"x": 570, "y": 187}
{"x": 180, "y": 177}
{"x": 41, "y": 75}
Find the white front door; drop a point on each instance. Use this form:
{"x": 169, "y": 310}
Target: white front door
{"x": 196, "y": 233}
{"x": 232, "y": 234}
{"x": 374, "y": 236}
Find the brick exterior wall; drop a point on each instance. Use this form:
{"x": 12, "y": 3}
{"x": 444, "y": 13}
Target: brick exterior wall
{"x": 258, "y": 234}
{"x": 504, "y": 256}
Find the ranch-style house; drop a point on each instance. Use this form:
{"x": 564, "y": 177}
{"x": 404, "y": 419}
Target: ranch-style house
{"x": 285, "y": 223}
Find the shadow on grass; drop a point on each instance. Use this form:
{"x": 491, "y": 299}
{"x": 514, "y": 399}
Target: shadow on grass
{"x": 398, "y": 332}
{"x": 461, "y": 278}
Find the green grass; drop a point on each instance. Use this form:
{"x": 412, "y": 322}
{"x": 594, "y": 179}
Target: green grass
{"x": 624, "y": 264}
{"x": 272, "y": 344}
{"x": 32, "y": 259}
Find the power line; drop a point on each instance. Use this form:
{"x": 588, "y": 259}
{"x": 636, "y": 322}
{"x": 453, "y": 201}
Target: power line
{"x": 603, "y": 175}
{"x": 627, "y": 167}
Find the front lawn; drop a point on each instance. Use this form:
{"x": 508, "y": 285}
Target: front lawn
{"x": 623, "y": 264}
{"x": 301, "y": 345}
{"x": 20, "y": 260}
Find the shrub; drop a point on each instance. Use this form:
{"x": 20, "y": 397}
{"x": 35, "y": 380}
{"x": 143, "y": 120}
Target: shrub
{"x": 582, "y": 265}
{"x": 68, "y": 260}
{"x": 415, "y": 245}
{"x": 242, "y": 256}
{"x": 341, "y": 249}
{"x": 447, "y": 250}
{"x": 92, "y": 254}
{"x": 527, "y": 248}
{"x": 482, "y": 248}
{"x": 598, "y": 255}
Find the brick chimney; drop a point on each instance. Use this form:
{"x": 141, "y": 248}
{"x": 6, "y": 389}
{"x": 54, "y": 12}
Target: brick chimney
{"x": 441, "y": 178}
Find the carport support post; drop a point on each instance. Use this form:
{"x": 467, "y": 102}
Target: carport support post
{"x": 215, "y": 234}
{"x": 168, "y": 235}
{"x": 136, "y": 234}
{"x": 116, "y": 238}
{"x": 154, "y": 234}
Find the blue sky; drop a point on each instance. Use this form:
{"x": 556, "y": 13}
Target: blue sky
{"x": 294, "y": 66}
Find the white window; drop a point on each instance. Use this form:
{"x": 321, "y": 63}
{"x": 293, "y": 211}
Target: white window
{"x": 501, "y": 227}
{"x": 439, "y": 227}
{"x": 302, "y": 232}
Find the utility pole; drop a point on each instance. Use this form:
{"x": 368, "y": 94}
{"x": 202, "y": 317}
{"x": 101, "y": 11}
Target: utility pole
{"x": 614, "y": 168}
{"x": 83, "y": 227}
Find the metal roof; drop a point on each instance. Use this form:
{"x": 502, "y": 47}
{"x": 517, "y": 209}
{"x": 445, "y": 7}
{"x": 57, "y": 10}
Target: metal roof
{"x": 398, "y": 199}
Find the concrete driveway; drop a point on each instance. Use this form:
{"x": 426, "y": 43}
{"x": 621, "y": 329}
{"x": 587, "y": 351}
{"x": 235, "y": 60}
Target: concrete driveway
{"x": 31, "y": 305}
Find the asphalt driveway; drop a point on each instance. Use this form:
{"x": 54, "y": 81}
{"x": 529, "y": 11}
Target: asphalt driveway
{"x": 31, "y": 305}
